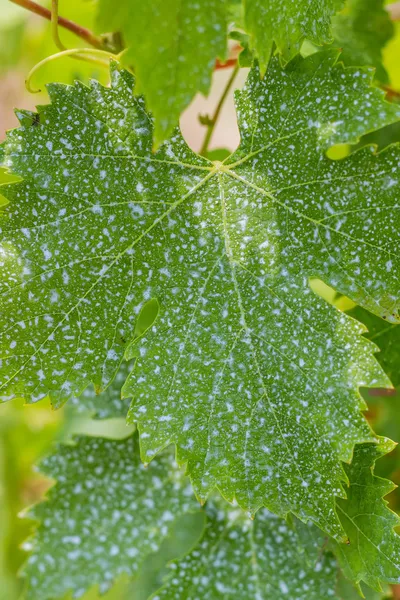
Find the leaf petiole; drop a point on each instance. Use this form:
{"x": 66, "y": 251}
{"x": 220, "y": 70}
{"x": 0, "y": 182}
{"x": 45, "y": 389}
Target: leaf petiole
{"x": 54, "y": 25}
{"x": 214, "y": 119}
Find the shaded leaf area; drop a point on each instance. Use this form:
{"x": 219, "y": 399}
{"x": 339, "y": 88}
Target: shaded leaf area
{"x": 270, "y": 558}
{"x": 382, "y": 137}
{"x": 264, "y": 559}
{"x": 361, "y": 30}
{"x": 347, "y": 591}
{"x": 190, "y": 35}
{"x": 107, "y": 404}
{"x": 288, "y": 24}
{"x": 103, "y": 517}
{"x": 373, "y": 552}
{"x": 243, "y": 355}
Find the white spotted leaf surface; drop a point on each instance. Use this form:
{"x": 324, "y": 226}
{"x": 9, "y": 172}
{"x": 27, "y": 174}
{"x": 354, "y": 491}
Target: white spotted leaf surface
{"x": 264, "y": 559}
{"x": 176, "y": 64}
{"x": 104, "y": 516}
{"x": 250, "y": 374}
{"x": 373, "y": 552}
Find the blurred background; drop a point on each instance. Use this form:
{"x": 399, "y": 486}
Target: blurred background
{"x": 27, "y": 433}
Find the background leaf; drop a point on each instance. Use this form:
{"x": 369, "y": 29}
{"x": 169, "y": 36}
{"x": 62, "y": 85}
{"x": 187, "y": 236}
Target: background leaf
{"x": 104, "y": 516}
{"x": 361, "y": 30}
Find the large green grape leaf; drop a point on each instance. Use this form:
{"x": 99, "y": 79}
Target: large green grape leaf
{"x": 246, "y": 370}
{"x": 287, "y": 24}
{"x": 264, "y": 559}
{"x": 362, "y": 30}
{"x": 178, "y": 60}
{"x": 103, "y": 517}
{"x": 373, "y": 552}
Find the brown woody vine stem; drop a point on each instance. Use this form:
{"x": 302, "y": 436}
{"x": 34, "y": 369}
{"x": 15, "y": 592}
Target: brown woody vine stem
{"x": 78, "y": 30}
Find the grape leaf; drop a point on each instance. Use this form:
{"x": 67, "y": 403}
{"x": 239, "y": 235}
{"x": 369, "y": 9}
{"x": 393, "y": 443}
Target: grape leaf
{"x": 103, "y": 517}
{"x": 265, "y": 559}
{"x": 373, "y": 552}
{"x": 179, "y": 61}
{"x": 287, "y": 24}
{"x": 362, "y": 29}
{"x": 246, "y": 370}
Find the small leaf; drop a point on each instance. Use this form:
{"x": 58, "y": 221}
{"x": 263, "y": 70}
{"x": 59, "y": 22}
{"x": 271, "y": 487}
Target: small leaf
{"x": 104, "y": 516}
{"x": 373, "y": 552}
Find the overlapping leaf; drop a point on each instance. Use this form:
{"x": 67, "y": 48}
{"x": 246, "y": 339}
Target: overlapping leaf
{"x": 288, "y": 24}
{"x": 103, "y": 517}
{"x": 175, "y": 64}
{"x": 246, "y": 370}
{"x": 373, "y": 552}
{"x": 262, "y": 559}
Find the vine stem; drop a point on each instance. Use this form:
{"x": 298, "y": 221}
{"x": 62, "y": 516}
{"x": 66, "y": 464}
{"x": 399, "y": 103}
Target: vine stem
{"x": 78, "y": 30}
{"x": 213, "y": 121}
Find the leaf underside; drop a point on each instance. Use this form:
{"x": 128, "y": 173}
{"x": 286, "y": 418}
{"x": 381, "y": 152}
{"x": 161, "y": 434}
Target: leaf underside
{"x": 250, "y": 374}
